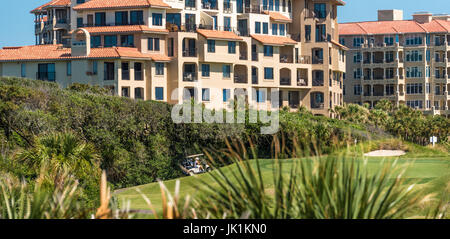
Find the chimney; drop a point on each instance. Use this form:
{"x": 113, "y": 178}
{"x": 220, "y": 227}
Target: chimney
{"x": 390, "y": 15}
{"x": 422, "y": 17}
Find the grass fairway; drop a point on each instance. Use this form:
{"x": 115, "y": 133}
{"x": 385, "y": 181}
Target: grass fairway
{"x": 423, "y": 165}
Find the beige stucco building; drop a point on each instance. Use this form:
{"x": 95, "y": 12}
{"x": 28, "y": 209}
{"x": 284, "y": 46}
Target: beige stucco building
{"x": 405, "y": 61}
{"x": 164, "y": 49}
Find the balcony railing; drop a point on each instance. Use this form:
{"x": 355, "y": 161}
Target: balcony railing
{"x": 243, "y": 56}
{"x": 227, "y": 8}
{"x": 285, "y": 81}
{"x": 317, "y": 60}
{"x": 209, "y": 6}
{"x": 378, "y": 61}
{"x": 190, "y": 53}
{"x": 111, "y": 24}
{"x": 303, "y": 60}
{"x": 190, "y": 76}
{"x": 318, "y": 82}
{"x": 253, "y": 9}
{"x": 46, "y": 76}
{"x": 317, "y": 105}
{"x": 302, "y": 82}
{"x": 286, "y": 59}
{"x": 241, "y": 79}
{"x": 190, "y": 4}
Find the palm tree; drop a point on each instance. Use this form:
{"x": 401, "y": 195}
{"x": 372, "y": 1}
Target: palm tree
{"x": 59, "y": 152}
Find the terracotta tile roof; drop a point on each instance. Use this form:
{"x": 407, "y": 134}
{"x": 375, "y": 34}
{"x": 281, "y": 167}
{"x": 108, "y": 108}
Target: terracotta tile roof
{"x": 111, "y": 4}
{"x": 273, "y": 40}
{"x": 213, "y": 34}
{"x": 57, "y": 52}
{"x": 393, "y": 27}
{"x": 53, "y": 3}
{"x": 278, "y": 17}
{"x": 123, "y": 29}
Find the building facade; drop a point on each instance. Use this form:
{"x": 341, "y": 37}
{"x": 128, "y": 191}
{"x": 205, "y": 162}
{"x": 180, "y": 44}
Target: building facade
{"x": 174, "y": 50}
{"x": 404, "y": 61}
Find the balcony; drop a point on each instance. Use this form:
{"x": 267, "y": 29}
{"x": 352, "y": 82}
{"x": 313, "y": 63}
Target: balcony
{"x": 317, "y": 60}
{"x": 285, "y": 81}
{"x": 303, "y": 60}
{"x": 46, "y": 76}
{"x": 190, "y": 53}
{"x": 227, "y": 8}
{"x": 190, "y": 76}
{"x": 240, "y": 74}
{"x": 253, "y": 9}
{"x": 209, "y": 5}
{"x": 286, "y": 58}
{"x": 318, "y": 82}
{"x": 302, "y": 82}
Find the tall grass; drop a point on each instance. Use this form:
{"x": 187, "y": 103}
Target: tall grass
{"x": 334, "y": 187}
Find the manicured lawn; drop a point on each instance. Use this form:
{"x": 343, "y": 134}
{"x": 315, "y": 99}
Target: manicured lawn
{"x": 424, "y": 169}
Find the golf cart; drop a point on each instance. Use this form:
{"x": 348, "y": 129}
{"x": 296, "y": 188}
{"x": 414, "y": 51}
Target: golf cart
{"x": 195, "y": 164}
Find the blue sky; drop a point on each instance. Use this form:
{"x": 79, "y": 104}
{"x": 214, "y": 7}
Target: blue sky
{"x": 17, "y": 27}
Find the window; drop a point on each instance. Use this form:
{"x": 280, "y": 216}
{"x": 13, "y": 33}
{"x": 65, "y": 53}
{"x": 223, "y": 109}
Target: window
{"x": 320, "y": 10}
{"x": 416, "y": 104}
{"x": 226, "y": 70}
{"x": 159, "y": 93}
{"x": 109, "y": 70}
{"x": 211, "y": 46}
{"x": 342, "y": 41}
{"x": 413, "y": 72}
{"x": 357, "y": 89}
{"x": 415, "y": 40}
{"x": 96, "y": 41}
{"x": 137, "y": 17}
{"x": 139, "y": 93}
{"x": 428, "y": 88}
{"x": 321, "y": 33}
{"x": 414, "y": 56}
{"x": 389, "y": 41}
{"x": 80, "y": 1}
{"x": 69, "y": 68}
{"x": 358, "y": 41}
{"x": 260, "y": 96}
{"x": 277, "y": 5}
{"x": 127, "y": 40}
{"x": 23, "y": 70}
{"x": 231, "y": 47}
{"x": 414, "y": 88}
{"x": 159, "y": 68}
{"x": 46, "y": 72}
{"x": 121, "y": 18}
{"x": 95, "y": 68}
{"x": 110, "y": 41}
{"x": 274, "y": 29}
{"x": 227, "y": 23}
{"x": 357, "y": 73}
{"x": 265, "y": 28}
{"x": 268, "y": 73}
{"x": 205, "y": 70}
{"x": 138, "y": 71}
{"x": 157, "y": 19}
{"x": 205, "y": 94}
{"x": 257, "y": 27}
{"x": 153, "y": 44}
{"x": 308, "y": 32}
{"x": 271, "y": 5}
{"x": 125, "y": 71}
{"x": 79, "y": 22}
{"x": 268, "y": 50}
{"x": 226, "y": 93}
{"x": 126, "y": 92}
{"x": 357, "y": 57}
{"x": 282, "y": 30}
{"x": 100, "y": 19}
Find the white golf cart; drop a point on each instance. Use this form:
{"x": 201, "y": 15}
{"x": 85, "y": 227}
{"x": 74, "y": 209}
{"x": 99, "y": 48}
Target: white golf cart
{"x": 195, "y": 164}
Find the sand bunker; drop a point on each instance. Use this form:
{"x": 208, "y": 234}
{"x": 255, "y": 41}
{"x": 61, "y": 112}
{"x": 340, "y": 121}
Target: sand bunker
{"x": 385, "y": 153}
